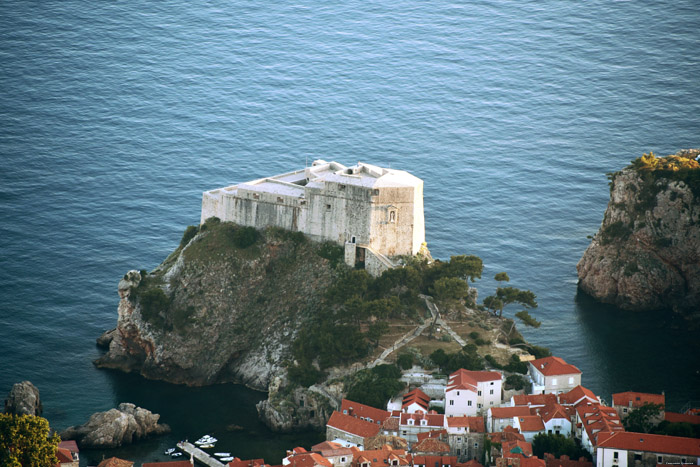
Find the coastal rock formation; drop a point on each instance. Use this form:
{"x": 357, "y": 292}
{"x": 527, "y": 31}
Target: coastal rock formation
{"x": 299, "y": 408}
{"x": 23, "y": 399}
{"x": 221, "y": 308}
{"x": 646, "y": 255}
{"x": 116, "y": 427}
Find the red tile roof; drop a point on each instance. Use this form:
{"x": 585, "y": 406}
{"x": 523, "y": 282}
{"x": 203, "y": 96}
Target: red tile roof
{"x": 509, "y": 412}
{"x": 637, "y": 399}
{"x": 380, "y": 457}
{"x": 596, "y": 419}
{"x": 308, "y": 459}
{"x": 416, "y": 396}
{"x": 391, "y": 424}
{"x": 167, "y": 464}
{"x": 578, "y": 395}
{"x": 474, "y": 424}
{"x": 508, "y": 434}
{"x": 549, "y": 412}
{"x": 531, "y": 423}
{"x": 363, "y": 411}
{"x": 534, "y": 399}
{"x": 430, "y": 461}
{"x": 63, "y": 455}
{"x": 432, "y": 419}
{"x": 553, "y": 366}
{"x": 431, "y": 445}
{"x": 236, "y": 462}
{"x": 71, "y": 445}
{"x": 674, "y": 417}
{"x": 431, "y": 434}
{"x": 565, "y": 461}
{"x": 352, "y": 425}
{"x": 466, "y": 379}
{"x": 508, "y": 446}
{"x": 650, "y": 443}
{"x": 331, "y": 449}
{"x": 471, "y": 463}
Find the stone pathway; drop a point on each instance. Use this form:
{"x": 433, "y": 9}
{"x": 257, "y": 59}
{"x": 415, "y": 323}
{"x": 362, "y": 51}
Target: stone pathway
{"x": 409, "y": 336}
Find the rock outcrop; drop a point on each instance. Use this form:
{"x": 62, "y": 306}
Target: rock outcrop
{"x": 23, "y": 399}
{"x": 116, "y": 427}
{"x": 215, "y": 312}
{"x": 646, "y": 255}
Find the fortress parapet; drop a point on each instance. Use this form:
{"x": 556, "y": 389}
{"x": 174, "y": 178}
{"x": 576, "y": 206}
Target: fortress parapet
{"x": 376, "y": 213}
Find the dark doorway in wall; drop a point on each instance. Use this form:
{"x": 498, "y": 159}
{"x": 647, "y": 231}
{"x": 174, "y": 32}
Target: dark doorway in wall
{"x": 359, "y": 257}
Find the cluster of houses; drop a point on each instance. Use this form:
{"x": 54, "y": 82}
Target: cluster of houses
{"x": 476, "y": 418}
{"x": 480, "y": 425}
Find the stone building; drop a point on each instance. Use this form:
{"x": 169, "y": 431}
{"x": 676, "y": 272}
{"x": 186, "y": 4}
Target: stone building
{"x": 375, "y": 213}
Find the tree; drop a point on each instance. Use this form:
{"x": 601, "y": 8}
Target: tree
{"x": 508, "y": 295}
{"x": 376, "y": 331}
{"x": 527, "y": 319}
{"x": 557, "y": 445}
{"x": 404, "y": 361}
{"x": 450, "y": 288}
{"x": 25, "y": 440}
{"x": 466, "y": 267}
{"x": 643, "y": 419}
{"x": 502, "y": 277}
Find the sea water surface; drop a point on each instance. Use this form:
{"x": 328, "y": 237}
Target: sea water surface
{"x": 115, "y": 116}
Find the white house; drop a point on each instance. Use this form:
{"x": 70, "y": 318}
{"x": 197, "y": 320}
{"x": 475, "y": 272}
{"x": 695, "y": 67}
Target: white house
{"x": 472, "y": 392}
{"x": 623, "y": 449}
{"x": 500, "y": 417}
{"x": 552, "y": 375}
{"x": 557, "y": 420}
{"x": 529, "y": 426}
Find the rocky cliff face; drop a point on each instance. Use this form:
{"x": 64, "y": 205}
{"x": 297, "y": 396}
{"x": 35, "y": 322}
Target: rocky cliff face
{"x": 217, "y": 312}
{"x": 647, "y": 253}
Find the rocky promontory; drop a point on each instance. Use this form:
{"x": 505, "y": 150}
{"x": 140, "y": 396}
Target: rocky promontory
{"x": 123, "y": 425}
{"x": 646, "y": 255}
{"x": 218, "y": 309}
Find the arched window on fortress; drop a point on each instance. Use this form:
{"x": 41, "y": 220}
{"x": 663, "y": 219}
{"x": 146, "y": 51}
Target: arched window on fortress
{"x": 392, "y": 217}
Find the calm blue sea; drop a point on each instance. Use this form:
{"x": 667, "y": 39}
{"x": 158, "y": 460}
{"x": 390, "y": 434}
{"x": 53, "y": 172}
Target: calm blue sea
{"x": 115, "y": 116}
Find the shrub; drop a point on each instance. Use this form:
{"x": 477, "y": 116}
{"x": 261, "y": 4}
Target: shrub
{"x": 304, "y": 375}
{"x": 374, "y": 387}
{"x": 527, "y": 318}
{"x": 244, "y": 237}
{"x": 515, "y": 382}
{"x": 189, "y": 234}
{"x": 332, "y": 252}
{"x": 539, "y": 351}
{"x": 493, "y": 362}
{"x": 404, "y": 361}
{"x": 515, "y": 365}
{"x": 153, "y": 303}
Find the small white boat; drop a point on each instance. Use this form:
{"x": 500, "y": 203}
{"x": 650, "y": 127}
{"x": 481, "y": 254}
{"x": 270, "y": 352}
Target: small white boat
{"x": 207, "y": 446}
{"x": 226, "y": 459}
{"x": 176, "y": 454}
{"x": 222, "y": 454}
{"x": 169, "y": 451}
{"x": 206, "y": 439}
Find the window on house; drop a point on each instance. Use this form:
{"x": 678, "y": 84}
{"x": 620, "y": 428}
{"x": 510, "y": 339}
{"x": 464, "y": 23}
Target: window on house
{"x": 476, "y": 445}
{"x": 353, "y": 239}
{"x": 491, "y": 392}
{"x": 301, "y": 402}
{"x": 256, "y": 196}
{"x": 549, "y": 432}
{"x": 424, "y": 422}
{"x": 328, "y": 207}
{"x": 458, "y": 393}
{"x": 452, "y": 402}
{"x": 637, "y": 456}
{"x": 491, "y": 403}
{"x": 659, "y": 459}
{"x": 302, "y": 202}
{"x": 478, "y": 393}
{"x": 392, "y": 216}
{"x": 375, "y": 192}
{"x": 469, "y": 403}
{"x": 410, "y": 422}
{"x": 616, "y": 455}
{"x": 491, "y": 383}
{"x": 478, "y": 405}
{"x": 571, "y": 380}
{"x": 459, "y": 440}
{"x": 342, "y": 459}
{"x": 342, "y": 187}
{"x": 279, "y": 199}
{"x": 403, "y": 432}
{"x": 554, "y": 381}
{"x": 624, "y": 410}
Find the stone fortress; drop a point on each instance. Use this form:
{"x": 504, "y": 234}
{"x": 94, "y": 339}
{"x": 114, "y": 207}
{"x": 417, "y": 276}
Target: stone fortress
{"x": 374, "y": 212}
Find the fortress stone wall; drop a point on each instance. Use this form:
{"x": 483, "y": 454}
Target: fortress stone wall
{"x": 377, "y": 213}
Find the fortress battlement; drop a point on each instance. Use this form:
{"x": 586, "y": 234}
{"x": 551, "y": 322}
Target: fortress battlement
{"x": 366, "y": 208}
